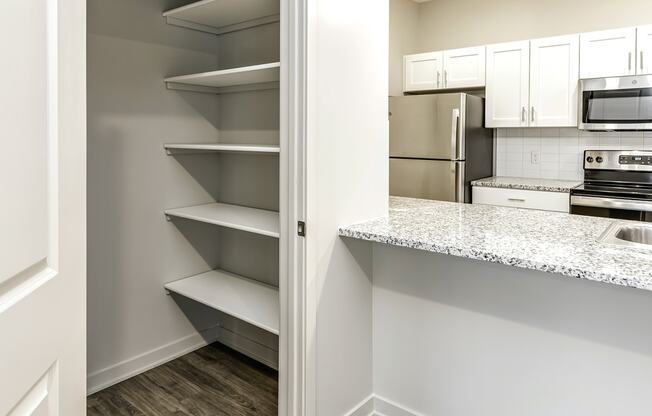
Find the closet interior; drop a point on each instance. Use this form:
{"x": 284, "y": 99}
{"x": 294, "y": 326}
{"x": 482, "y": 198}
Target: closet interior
{"x": 183, "y": 182}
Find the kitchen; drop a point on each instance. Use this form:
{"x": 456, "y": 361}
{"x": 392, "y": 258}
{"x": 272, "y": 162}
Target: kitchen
{"x": 492, "y": 307}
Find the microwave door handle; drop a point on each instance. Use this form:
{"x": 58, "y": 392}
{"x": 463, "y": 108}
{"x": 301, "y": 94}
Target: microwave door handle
{"x": 455, "y": 133}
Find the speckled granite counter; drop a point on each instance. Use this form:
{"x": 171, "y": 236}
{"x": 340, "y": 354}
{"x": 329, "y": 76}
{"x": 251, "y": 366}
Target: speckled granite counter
{"x": 528, "y": 184}
{"x": 538, "y": 240}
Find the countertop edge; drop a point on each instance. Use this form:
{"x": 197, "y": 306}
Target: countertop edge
{"x": 513, "y": 183}
{"x": 493, "y": 258}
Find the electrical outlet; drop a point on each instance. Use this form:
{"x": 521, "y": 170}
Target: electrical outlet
{"x": 534, "y": 157}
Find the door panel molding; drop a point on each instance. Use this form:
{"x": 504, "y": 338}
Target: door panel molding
{"x": 42, "y": 398}
{"x": 16, "y": 288}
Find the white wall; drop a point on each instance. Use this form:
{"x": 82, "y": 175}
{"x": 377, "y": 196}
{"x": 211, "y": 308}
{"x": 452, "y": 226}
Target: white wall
{"x": 447, "y": 24}
{"x": 457, "y": 337}
{"x": 403, "y": 21}
{"x": 132, "y": 250}
{"x": 346, "y": 182}
{"x": 561, "y": 151}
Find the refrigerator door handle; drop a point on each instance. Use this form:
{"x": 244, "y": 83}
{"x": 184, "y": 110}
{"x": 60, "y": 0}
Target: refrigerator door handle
{"x": 455, "y": 140}
{"x": 459, "y": 183}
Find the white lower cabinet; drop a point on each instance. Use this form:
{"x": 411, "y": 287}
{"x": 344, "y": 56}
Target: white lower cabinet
{"x": 542, "y": 200}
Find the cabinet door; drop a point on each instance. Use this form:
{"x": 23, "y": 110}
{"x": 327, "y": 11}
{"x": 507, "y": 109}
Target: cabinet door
{"x": 423, "y": 71}
{"x": 644, "y": 47}
{"x": 507, "y": 84}
{"x": 464, "y": 68}
{"x": 608, "y": 53}
{"x": 554, "y": 76}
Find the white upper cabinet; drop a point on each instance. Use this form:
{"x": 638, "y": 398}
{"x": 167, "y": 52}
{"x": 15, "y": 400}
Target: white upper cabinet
{"x": 644, "y": 46}
{"x": 554, "y": 76}
{"x": 608, "y": 53}
{"x": 507, "y": 84}
{"x": 464, "y": 68}
{"x": 457, "y": 68}
{"x": 423, "y": 72}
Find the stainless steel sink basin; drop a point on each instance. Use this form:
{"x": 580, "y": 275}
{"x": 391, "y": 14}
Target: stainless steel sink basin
{"x": 626, "y": 234}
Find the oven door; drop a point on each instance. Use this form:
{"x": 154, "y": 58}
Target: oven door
{"x": 621, "y": 103}
{"x": 598, "y": 206}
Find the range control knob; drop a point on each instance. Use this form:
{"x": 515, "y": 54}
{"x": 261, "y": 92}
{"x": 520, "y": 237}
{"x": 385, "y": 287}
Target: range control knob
{"x": 599, "y": 159}
{"x": 589, "y": 159}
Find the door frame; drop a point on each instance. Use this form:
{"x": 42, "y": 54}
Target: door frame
{"x": 293, "y": 348}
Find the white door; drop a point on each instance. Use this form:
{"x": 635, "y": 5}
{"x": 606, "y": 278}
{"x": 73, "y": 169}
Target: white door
{"x": 508, "y": 70}
{"x": 43, "y": 231}
{"x": 644, "y": 49}
{"x": 423, "y": 71}
{"x": 608, "y": 53}
{"x": 554, "y": 81}
{"x": 464, "y": 68}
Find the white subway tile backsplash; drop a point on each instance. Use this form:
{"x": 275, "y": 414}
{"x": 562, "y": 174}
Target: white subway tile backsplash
{"x": 560, "y": 150}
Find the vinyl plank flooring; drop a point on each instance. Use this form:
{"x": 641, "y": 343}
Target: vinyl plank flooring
{"x": 212, "y": 381}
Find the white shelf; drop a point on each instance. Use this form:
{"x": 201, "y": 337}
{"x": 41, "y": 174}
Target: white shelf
{"x": 221, "y": 147}
{"x": 245, "y": 299}
{"x": 223, "y": 16}
{"x": 253, "y": 220}
{"x": 263, "y": 76}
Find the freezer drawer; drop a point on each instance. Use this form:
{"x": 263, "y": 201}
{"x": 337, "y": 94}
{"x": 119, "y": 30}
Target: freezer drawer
{"x": 428, "y": 126}
{"x": 441, "y": 180}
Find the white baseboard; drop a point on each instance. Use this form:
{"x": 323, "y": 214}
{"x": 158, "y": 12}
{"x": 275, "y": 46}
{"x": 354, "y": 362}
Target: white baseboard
{"x": 123, "y": 370}
{"x": 385, "y": 407}
{"x": 364, "y": 408}
{"x": 375, "y": 405}
{"x": 131, "y": 367}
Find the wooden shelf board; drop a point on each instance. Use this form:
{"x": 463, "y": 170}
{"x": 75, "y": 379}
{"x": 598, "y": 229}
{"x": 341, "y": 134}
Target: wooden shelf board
{"x": 265, "y": 75}
{"x": 223, "y": 16}
{"x": 221, "y": 147}
{"x": 248, "y": 300}
{"x": 253, "y": 220}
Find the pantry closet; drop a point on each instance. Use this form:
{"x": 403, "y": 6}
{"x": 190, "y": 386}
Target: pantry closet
{"x": 184, "y": 155}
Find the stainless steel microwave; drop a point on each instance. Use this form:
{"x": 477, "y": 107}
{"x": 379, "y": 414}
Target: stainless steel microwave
{"x": 618, "y": 103}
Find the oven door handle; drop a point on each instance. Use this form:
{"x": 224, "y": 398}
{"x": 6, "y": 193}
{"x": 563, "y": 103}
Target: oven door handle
{"x": 615, "y": 203}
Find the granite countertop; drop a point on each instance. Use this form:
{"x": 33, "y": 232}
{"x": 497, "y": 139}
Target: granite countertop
{"x": 528, "y": 184}
{"x": 551, "y": 242}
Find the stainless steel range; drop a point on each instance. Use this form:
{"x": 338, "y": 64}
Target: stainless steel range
{"x": 617, "y": 184}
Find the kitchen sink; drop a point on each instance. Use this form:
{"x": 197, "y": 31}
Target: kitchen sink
{"x": 626, "y": 234}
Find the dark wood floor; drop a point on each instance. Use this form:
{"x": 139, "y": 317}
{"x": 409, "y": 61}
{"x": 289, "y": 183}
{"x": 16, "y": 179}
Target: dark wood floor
{"x": 212, "y": 381}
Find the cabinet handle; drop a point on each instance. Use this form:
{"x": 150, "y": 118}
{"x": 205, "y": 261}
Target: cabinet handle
{"x": 438, "y": 78}
{"x": 516, "y": 199}
{"x": 523, "y": 114}
{"x": 445, "y": 78}
{"x": 532, "y": 114}
{"x": 629, "y": 61}
{"x": 641, "y": 60}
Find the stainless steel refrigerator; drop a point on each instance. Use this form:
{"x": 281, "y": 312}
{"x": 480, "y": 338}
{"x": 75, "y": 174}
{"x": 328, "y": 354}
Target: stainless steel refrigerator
{"x": 438, "y": 145}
